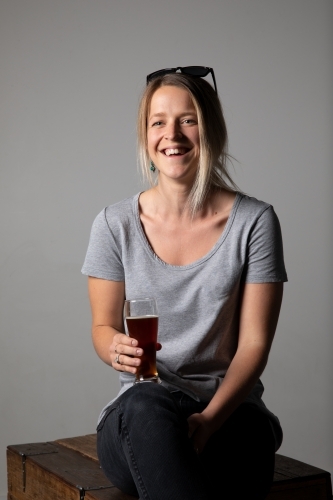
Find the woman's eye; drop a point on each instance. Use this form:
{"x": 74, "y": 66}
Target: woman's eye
{"x": 156, "y": 124}
{"x": 189, "y": 120}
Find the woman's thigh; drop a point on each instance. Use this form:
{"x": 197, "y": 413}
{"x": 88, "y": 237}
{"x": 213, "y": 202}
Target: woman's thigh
{"x": 144, "y": 449}
{"x": 110, "y": 453}
{"x": 237, "y": 462}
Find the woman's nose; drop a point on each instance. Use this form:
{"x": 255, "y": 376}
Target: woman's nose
{"x": 172, "y": 132}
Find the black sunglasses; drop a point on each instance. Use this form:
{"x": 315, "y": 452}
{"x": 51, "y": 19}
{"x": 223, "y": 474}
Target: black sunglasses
{"x": 200, "y": 71}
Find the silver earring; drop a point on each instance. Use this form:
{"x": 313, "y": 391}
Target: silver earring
{"x": 152, "y": 167}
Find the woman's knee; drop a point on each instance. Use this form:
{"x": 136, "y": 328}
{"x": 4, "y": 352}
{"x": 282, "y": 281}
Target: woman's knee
{"x": 148, "y": 409}
{"x": 147, "y": 399}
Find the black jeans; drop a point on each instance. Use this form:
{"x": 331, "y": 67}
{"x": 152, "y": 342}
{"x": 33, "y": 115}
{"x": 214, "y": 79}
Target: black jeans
{"x": 144, "y": 450}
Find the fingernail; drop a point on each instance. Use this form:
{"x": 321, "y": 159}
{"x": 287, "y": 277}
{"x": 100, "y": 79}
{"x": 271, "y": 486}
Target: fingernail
{"x": 139, "y": 352}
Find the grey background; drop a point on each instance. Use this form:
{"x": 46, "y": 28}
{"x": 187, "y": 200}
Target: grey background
{"x": 71, "y": 75}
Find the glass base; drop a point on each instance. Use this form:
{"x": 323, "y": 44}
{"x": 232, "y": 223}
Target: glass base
{"x": 140, "y": 380}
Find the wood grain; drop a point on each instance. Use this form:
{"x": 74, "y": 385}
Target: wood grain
{"x": 109, "y": 494}
{"x": 68, "y": 469}
{"x": 86, "y": 445}
{"x": 41, "y": 484}
{"x": 300, "y": 490}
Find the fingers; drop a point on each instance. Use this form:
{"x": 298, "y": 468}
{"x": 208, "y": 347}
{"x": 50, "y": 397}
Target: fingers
{"x": 198, "y": 440}
{"x": 121, "y": 338}
{"x": 193, "y": 423}
{"x": 198, "y": 432}
{"x": 126, "y": 347}
{"x": 124, "y": 363}
{"x": 124, "y": 353}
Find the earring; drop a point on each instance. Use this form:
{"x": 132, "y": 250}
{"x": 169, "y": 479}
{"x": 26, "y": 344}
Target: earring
{"x": 152, "y": 167}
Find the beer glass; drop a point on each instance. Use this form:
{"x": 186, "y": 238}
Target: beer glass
{"x": 141, "y": 323}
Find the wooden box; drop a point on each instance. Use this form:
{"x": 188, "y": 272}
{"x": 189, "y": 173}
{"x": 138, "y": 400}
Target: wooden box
{"x": 68, "y": 469}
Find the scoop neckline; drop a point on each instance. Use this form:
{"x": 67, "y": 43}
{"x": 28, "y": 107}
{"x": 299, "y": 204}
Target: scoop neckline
{"x": 197, "y": 262}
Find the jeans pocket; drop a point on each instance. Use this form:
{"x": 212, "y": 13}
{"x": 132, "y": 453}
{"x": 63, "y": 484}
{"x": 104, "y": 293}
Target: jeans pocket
{"x": 108, "y": 410}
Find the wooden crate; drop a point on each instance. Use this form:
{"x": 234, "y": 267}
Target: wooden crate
{"x": 68, "y": 469}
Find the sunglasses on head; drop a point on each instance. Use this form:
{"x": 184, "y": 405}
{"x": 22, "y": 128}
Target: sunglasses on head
{"x": 200, "y": 71}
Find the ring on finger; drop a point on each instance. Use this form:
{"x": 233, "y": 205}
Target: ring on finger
{"x": 116, "y": 360}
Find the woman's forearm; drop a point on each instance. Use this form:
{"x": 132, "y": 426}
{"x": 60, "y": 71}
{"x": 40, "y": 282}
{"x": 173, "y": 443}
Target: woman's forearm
{"x": 243, "y": 373}
{"x": 259, "y": 314}
{"x": 102, "y": 337}
{"x": 107, "y": 301}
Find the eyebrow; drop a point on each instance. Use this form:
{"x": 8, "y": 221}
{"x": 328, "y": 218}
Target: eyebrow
{"x": 156, "y": 115}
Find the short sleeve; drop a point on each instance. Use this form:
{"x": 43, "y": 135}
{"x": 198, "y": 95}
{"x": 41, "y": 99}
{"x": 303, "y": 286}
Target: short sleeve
{"x": 103, "y": 258}
{"x": 264, "y": 260}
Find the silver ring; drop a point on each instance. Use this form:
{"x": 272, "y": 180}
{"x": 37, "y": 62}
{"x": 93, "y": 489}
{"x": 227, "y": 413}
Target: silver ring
{"x": 116, "y": 359}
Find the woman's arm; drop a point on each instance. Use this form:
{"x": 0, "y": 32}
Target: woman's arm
{"x": 107, "y": 302}
{"x": 259, "y": 315}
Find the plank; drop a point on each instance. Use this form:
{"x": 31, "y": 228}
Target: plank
{"x": 86, "y": 445}
{"x": 40, "y": 484}
{"x": 63, "y": 472}
{"x": 301, "y": 490}
{"x": 108, "y": 494}
{"x": 295, "y": 480}
{"x": 292, "y": 468}
{"x": 68, "y": 469}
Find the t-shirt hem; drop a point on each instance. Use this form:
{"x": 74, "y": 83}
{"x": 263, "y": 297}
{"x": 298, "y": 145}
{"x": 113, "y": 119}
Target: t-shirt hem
{"x": 266, "y": 279}
{"x": 102, "y": 275}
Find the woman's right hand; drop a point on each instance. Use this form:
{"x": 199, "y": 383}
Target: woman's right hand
{"x": 125, "y": 353}
{"x": 111, "y": 344}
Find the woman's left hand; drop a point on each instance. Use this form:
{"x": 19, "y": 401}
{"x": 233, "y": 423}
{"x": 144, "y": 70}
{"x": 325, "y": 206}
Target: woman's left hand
{"x": 200, "y": 430}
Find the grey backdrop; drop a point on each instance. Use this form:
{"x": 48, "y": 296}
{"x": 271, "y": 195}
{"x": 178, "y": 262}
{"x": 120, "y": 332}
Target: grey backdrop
{"x": 71, "y": 75}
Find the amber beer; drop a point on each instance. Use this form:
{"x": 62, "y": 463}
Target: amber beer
{"x": 144, "y": 330}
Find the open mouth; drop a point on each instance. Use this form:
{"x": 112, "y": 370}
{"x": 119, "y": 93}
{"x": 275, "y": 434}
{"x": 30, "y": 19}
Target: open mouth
{"x": 175, "y": 151}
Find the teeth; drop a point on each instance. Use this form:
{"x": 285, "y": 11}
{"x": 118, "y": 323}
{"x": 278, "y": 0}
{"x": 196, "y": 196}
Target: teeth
{"x": 175, "y": 151}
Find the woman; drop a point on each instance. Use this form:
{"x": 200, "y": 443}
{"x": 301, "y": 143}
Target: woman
{"x": 213, "y": 259}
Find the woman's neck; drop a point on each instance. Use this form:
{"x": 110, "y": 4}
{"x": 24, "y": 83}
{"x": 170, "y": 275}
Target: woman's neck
{"x": 170, "y": 203}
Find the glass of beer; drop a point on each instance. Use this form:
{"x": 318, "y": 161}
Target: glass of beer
{"x": 141, "y": 323}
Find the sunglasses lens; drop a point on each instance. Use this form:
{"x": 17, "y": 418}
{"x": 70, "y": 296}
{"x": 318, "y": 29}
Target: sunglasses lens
{"x": 196, "y": 70}
{"x": 200, "y": 71}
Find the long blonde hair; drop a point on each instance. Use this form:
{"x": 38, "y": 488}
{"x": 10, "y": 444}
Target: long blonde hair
{"x": 212, "y": 169}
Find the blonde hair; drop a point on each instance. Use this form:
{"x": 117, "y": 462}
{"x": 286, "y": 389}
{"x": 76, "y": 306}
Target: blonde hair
{"x": 212, "y": 169}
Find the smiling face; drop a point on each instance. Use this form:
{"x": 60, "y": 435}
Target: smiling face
{"x": 173, "y": 133}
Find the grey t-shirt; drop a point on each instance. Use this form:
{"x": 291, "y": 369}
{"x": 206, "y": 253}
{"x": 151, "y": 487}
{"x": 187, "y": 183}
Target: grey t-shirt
{"x": 198, "y": 303}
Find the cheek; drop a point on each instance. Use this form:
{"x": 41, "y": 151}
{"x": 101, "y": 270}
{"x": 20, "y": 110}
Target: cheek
{"x": 194, "y": 136}
{"x": 151, "y": 141}
{"x": 196, "y": 140}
